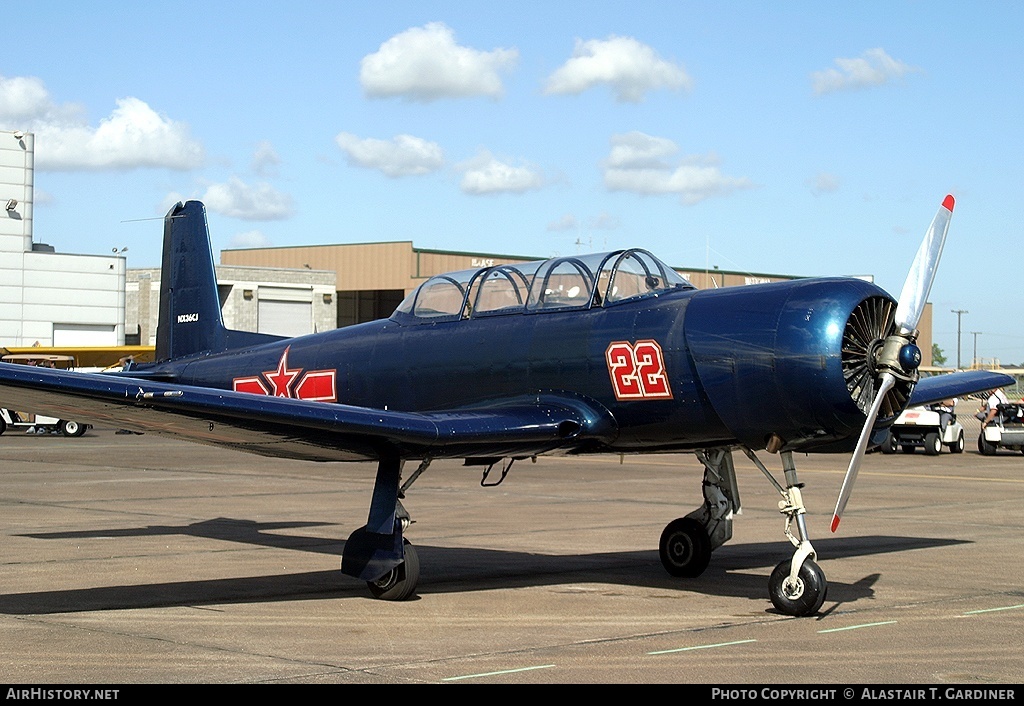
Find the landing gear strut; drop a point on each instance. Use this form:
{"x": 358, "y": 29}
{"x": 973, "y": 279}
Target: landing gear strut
{"x": 797, "y": 586}
{"x": 377, "y": 552}
{"x": 687, "y": 543}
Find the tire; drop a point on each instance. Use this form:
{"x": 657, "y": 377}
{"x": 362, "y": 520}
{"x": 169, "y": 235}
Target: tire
{"x": 889, "y": 445}
{"x": 685, "y": 548}
{"x": 985, "y": 447}
{"x": 399, "y": 584}
{"x": 3, "y": 425}
{"x": 957, "y": 447}
{"x": 932, "y": 444}
{"x": 72, "y": 428}
{"x": 806, "y": 597}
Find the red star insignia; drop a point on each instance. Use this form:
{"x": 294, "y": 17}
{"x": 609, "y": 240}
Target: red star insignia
{"x": 282, "y": 378}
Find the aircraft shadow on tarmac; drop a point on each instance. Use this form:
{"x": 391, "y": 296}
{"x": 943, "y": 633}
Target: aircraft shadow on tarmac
{"x": 447, "y": 570}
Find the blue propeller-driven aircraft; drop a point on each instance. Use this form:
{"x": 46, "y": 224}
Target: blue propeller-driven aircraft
{"x": 604, "y": 353}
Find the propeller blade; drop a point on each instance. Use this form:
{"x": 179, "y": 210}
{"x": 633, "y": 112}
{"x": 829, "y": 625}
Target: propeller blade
{"x": 922, "y": 273}
{"x": 862, "y": 444}
{"x": 908, "y": 313}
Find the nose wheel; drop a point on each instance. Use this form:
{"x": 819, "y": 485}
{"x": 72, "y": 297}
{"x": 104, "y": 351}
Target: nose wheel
{"x": 800, "y": 596}
{"x": 797, "y": 586}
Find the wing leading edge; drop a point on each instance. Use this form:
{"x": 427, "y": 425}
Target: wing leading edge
{"x": 944, "y": 387}
{"x": 290, "y": 428}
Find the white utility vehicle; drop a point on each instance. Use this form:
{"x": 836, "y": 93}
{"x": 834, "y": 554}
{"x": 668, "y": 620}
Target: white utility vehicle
{"x": 35, "y": 423}
{"x": 930, "y": 427}
{"x": 1006, "y": 431}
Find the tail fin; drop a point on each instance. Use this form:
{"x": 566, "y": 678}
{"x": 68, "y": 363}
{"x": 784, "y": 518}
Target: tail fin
{"x": 190, "y": 319}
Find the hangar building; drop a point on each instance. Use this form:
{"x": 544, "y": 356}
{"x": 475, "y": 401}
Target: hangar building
{"x": 373, "y": 278}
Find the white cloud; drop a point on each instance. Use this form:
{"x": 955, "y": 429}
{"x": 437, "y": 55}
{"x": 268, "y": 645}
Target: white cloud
{"x": 23, "y": 99}
{"x": 630, "y": 67}
{"x": 566, "y": 222}
{"x": 402, "y": 155}
{"x": 486, "y": 175}
{"x": 639, "y": 163}
{"x": 132, "y": 136}
{"x": 250, "y": 239}
{"x": 636, "y": 150}
{"x": 265, "y": 159}
{"x": 605, "y": 221}
{"x": 873, "y": 68}
{"x": 425, "y": 64}
{"x": 823, "y": 183}
{"x": 260, "y": 202}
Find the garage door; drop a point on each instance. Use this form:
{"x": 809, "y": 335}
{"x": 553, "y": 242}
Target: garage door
{"x": 84, "y": 335}
{"x": 283, "y": 316}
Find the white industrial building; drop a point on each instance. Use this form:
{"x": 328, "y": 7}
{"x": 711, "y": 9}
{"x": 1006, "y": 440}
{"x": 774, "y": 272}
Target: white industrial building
{"x": 49, "y": 298}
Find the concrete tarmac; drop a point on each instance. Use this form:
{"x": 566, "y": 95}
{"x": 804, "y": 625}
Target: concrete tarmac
{"x": 133, "y": 559}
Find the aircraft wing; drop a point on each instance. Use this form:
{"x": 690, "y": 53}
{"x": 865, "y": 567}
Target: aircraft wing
{"x": 944, "y": 387}
{"x": 278, "y": 426}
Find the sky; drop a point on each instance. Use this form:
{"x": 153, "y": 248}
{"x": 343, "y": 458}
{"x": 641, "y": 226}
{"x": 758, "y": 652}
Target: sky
{"x": 799, "y": 138}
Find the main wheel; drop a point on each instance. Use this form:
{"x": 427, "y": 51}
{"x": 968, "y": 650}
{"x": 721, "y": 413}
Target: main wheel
{"x": 889, "y": 445}
{"x": 932, "y": 443}
{"x": 985, "y": 447}
{"x": 802, "y": 597}
{"x": 399, "y": 583}
{"x": 71, "y": 428}
{"x": 957, "y": 447}
{"x": 685, "y": 548}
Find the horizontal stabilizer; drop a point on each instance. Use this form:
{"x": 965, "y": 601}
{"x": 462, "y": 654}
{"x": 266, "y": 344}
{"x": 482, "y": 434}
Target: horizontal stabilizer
{"x": 944, "y": 387}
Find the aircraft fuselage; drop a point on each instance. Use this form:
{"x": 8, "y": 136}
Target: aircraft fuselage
{"x": 685, "y": 369}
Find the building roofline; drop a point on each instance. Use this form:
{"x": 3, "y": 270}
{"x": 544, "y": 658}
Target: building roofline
{"x": 476, "y": 253}
{"x": 317, "y": 245}
{"x": 741, "y": 273}
{"x": 482, "y": 253}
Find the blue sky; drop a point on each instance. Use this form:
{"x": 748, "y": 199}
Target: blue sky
{"x": 798, "y": 138}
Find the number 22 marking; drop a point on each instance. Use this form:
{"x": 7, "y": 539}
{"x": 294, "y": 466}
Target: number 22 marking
{"x": 637, "y": 370}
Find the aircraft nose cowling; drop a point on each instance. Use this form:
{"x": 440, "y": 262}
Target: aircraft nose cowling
{"x": 771, "y": 358}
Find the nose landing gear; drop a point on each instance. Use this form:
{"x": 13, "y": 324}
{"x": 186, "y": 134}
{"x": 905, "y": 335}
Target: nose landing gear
{"x": 797, "y": 586}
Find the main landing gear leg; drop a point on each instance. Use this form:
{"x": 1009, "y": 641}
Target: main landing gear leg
{"x": 377, "y": 553}
{"x": 797, "y": 586}
{"x": 687, "y": 543}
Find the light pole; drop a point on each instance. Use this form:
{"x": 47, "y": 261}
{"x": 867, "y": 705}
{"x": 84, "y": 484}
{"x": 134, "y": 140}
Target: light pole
{"x": 974, "y": 362}
{"x": 959, "y": 313}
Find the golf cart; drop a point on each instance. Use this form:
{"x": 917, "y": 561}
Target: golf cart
{"x": 35, "y": 423}
{"x": 1005, "y": 431}
{"x": 928, "y": 427}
